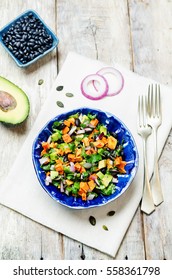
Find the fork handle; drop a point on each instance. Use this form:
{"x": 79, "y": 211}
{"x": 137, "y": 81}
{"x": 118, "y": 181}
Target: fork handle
{"x": 147, "y": 205}
{"x": 156, "y": 186}
{"x": 155, "y": 180}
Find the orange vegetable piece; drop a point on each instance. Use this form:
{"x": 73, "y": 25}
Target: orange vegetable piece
{"x": 59, "y": 168}
{"x": 71, "y": 157}
{"x": 92, "y": 133}
{"x": 78, "y": 152}
{"x": 69, "y": 182}
{"x": 117, "y": 161}
{"x": 59, "y": 152}
{"x": 78, "y": 159}
{"x": 84, "y": 196}
{"x": 67, "y": 123}
{"x": 121, "y": 167}
{"x": 43, "y": 152}
{"x": 67, "y": 151}
{"x": 91, "y": 184}
{"x": 88, "y": 152}
{"x": 111, "y": 142}
{"x": 93, "y": 176}
{"x": 59, "y": 161}
{"x": 104, "y": 139}
{"x": 53, "y": 145}
{"x": 67, "y": 138}
{"x": 78, "y": 167}
{"x": 99, "y": 143}
{"x": 91, "y": 151}
{"x": 83, "y": 187}
{"x": 65, "y": 130}
{"x": 120, "y": 164}
{"x": 86, "y": 141}
{"x": 83, "y": 190}
{"x": 82, "y": 170}
{"x": 71, "y": 120}
{"x": 45, "y": 145}
{"x": 94, "y": 122}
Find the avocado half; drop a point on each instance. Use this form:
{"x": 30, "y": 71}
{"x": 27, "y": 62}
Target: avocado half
{"x": 14, "y": 103}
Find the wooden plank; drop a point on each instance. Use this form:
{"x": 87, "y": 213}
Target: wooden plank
{"x": 151, "y": 23}
{"x": 99, "y": 30}
{"x": 21, "y": 238}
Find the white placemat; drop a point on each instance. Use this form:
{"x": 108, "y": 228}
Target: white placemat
{"x": 25, "y": 195}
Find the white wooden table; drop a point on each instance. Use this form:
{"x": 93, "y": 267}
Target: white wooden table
{"x": 134, "y": 33}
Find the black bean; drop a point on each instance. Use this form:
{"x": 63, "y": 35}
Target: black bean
{"x": 40, "y": 51}
{"x": 77, "y": 122}
{"x": 65, "y": 158}
{"x": 18, "y": 36}
{"x": 27, "y": 38}
{"x": 103, "y": 170}
{"x": 61, "y": 126}
{"x": 113, "y": 172}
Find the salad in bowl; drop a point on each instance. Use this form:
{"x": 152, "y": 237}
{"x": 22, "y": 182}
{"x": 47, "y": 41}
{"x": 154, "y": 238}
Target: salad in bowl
{"x": 85, "y": 158}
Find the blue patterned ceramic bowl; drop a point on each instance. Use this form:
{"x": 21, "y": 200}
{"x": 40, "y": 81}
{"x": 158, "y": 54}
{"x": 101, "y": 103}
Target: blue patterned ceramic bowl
{"x": 124, "y": 180}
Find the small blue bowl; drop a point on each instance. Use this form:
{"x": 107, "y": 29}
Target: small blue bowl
{"x": 5, "y": 29}
{"x": 124, "y": 180}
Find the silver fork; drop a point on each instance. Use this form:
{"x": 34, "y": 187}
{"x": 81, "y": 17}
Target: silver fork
{"x": 144, "y": 130}
{"x": 155, "y": 120}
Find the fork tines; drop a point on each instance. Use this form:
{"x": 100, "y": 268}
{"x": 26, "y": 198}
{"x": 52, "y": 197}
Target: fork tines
{"x": 154, "y": 101}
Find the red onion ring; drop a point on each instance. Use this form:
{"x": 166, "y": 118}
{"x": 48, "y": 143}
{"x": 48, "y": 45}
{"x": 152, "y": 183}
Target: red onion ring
{"x": 117, "y": 74}
{"x": 99, "y": 92}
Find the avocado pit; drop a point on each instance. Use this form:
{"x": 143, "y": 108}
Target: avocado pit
{"x": 7, "y": 101}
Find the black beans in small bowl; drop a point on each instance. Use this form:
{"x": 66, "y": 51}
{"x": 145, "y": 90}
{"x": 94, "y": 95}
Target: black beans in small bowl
{"x": 27, "y": 38}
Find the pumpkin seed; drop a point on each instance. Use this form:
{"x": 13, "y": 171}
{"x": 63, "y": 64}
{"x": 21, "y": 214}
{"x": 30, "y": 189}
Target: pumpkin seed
{"x": 111, "y": 213}
{"x": 92, "y": 220}
{"x": 105, "y": 227}
{"x": 60, "y": 104}
{"x": 69, "y": 94}
{"x": 87, "y": 165}
{"x": 40, "y": 82}
{"x": 59, "y": 88}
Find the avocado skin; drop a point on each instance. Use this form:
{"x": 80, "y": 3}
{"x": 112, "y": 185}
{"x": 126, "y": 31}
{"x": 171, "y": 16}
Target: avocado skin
{"x": 17, "y": 117}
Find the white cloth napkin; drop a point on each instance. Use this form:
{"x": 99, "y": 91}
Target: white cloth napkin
{"x": 25, "y": 195}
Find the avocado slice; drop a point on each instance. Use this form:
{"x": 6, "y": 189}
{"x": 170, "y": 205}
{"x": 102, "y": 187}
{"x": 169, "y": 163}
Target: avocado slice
{"x": 100, "y": 175}
{"x": 107, "y": 179}
{"x": 102, "y": 164}
{"x": 103, "y": 130}
{"x": 14, "y": 103}
{"x": 53, "y": 174}
{"x": 56, "y": 136}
